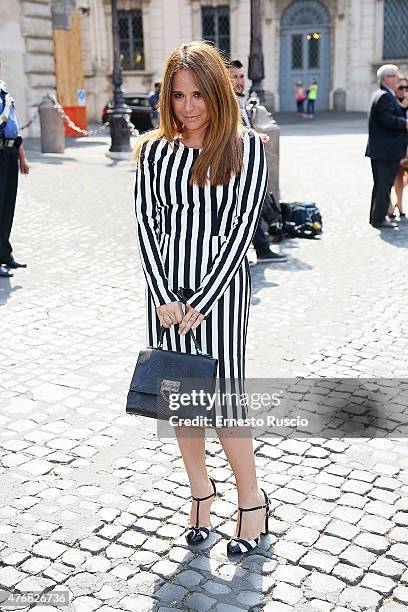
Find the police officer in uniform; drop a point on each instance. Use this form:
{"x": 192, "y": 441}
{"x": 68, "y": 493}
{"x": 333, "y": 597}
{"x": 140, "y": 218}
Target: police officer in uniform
{"x": 12, "y": 157}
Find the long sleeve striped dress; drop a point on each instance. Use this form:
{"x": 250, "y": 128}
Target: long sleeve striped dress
{"x": 197, "y": 238}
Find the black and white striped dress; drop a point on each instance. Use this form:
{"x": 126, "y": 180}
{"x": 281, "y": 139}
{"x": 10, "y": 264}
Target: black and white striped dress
{"x": 197, "y": 238}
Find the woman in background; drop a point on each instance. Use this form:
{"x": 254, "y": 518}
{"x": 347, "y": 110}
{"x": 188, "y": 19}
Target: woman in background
{"x": 300, "y": 97}
{"x": 400, "y": 180}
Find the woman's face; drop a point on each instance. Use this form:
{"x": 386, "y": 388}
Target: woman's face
{"x": 188, "y": 104}
{"x": 402, "y": 89}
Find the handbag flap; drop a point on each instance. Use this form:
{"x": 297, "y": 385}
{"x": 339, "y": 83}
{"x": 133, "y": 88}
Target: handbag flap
{"x": 175, "y": 370}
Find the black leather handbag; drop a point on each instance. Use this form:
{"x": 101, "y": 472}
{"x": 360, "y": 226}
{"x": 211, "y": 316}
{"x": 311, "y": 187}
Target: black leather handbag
{"x": 160, "y": 376}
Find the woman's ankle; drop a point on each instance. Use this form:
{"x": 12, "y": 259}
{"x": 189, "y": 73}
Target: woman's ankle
{"x": 201, "y": 488}
{"x": 251, "y": 498}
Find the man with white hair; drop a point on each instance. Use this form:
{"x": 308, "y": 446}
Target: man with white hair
{"x": 387, "y": 142}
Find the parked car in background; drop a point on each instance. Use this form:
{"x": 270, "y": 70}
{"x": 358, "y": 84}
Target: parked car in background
{"x": 140, "y": 106}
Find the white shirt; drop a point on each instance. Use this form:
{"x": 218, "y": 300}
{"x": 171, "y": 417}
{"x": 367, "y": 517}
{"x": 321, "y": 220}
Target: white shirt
{"x": 390, "y": 90}
{"x": 244, "y": 113}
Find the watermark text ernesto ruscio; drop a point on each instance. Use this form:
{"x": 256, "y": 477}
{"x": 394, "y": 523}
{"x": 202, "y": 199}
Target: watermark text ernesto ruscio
{"x": 249, "y": 401}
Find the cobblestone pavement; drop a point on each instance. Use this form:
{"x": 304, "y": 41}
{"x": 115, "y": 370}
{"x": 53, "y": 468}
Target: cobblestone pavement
{"x": 93, "y": 503}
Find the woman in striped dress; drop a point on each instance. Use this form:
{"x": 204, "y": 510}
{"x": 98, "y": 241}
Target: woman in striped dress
{"x": 201, "y": 181}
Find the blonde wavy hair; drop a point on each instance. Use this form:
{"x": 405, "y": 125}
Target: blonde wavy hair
{"x": 222, "y": 146}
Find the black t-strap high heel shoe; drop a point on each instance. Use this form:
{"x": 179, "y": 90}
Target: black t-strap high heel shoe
{"x": 239, "y": 546}
{"x": 197, "y": 534}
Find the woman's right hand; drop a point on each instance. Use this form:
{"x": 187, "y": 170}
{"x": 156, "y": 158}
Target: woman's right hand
{"x": 170, "y": 313}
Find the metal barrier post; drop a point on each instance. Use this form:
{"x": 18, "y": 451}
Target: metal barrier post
{"x": 52, "y": 128}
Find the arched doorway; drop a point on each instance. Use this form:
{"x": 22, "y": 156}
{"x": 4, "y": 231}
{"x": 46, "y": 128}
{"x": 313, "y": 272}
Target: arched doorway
{"x": 305, "y": 51}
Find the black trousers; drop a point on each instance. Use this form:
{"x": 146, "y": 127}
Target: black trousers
{"x": 260, "y": 240}
{"x": 384, "y": 173}
{"x": 8, "y": 193}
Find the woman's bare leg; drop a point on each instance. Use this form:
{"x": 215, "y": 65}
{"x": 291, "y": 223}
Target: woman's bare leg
{"x": 391, "y": 206}
{"x": 191, "y": 441}
{"x": 399, "y": 188}
{"x": 239, "y": 450}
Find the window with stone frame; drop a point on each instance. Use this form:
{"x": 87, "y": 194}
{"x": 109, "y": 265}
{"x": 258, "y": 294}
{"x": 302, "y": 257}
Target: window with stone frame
{"x": 215, "y": 26}
{"x": 395, "y": 29}
{"x": 297, "y": 51}
{"x": 130, "y": 25}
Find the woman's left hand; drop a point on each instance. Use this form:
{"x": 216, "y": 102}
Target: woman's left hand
{"x": 191, "y": 320}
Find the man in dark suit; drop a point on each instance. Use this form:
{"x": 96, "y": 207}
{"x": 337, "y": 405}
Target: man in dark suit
{"x": 387, "y": 142}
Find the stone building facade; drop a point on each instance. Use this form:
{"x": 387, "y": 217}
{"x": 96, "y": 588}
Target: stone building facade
{"x": 26, "y": 54}
{"x": 341, "y": 43}
{"x": 352, "y": 38}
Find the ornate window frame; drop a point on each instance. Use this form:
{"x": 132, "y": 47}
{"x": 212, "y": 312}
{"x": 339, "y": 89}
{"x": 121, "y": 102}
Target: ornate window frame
{"x": 126, "y": 20}
{"x": 293, "y": 11}
{"x": 196, "y": 6}
{"x": 397, "y": 57}
{"x": 128, "y": 5}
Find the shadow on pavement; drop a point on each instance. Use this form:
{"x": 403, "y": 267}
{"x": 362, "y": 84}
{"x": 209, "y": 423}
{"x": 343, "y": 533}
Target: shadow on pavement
{"x": 293, "y": 264}
{"x": 114, "y": 162}
{"x": 398, "y": 236}
{"x": 6, "y": 290}
{"x": 46, "y": 158}
{"x": 325, "y": 123}
{"x": 227, "y": 578}
{"x": 80, "y": 143}
{"x": 32, "y": 143}
{"x": 260, "y": 281}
